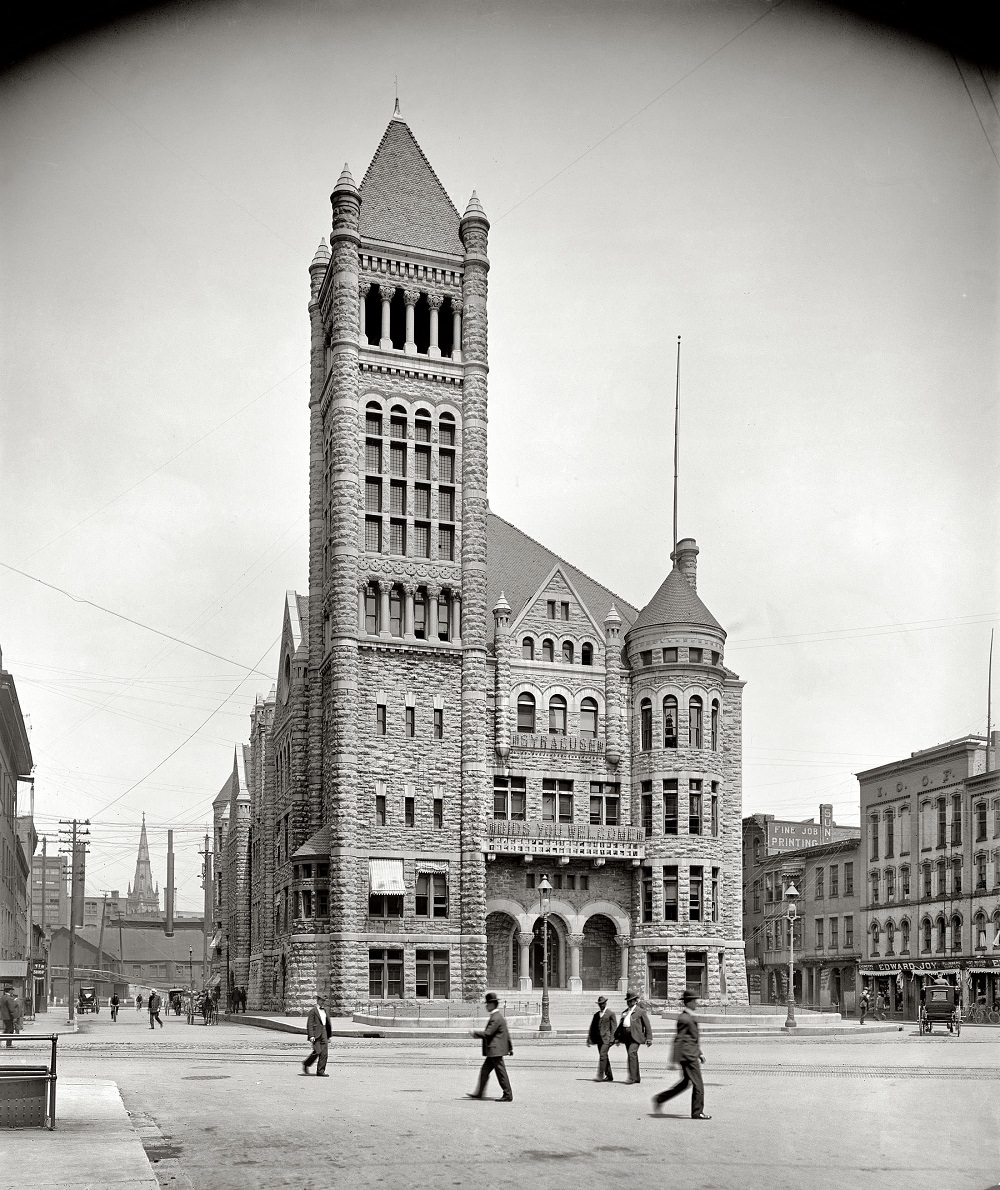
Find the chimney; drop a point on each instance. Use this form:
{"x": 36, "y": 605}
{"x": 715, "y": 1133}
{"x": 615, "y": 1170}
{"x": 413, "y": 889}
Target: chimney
{"x": 685, "y": 558}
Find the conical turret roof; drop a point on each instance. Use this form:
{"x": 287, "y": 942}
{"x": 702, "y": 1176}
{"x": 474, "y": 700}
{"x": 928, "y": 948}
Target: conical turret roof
{"x": 676, "y": 602}
{"x": 402, "y": 201}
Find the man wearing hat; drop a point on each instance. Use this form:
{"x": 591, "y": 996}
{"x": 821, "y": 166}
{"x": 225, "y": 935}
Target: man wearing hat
{"x": 602, "y": 1034}
{"x": 687, "y": 1054}
{"x": 8, "y": 1011}
{"x": 634, "y": 1030}
{"x": 496, "y": 1047}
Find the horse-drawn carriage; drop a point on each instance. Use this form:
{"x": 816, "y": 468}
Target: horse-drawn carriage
{"x": 87, "y": 1000}
{"x": 941, "y": 1006}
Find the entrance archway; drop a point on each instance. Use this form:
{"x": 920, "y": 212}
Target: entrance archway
{"x": 557, "y": 973}
{"x": 599, "y": 964}
{"x": 502, "y": 951}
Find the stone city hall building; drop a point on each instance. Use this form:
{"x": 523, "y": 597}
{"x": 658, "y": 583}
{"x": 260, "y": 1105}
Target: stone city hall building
{"x": 458, "y": 711}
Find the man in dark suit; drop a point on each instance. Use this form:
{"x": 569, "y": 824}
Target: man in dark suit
{"x": 634, "y": 1030}
{"x": 602, "y": 1034}
{"x": 318, "y": 1030}
{"x": 688, "y": 1055}
{"x": 496, "y": 1047}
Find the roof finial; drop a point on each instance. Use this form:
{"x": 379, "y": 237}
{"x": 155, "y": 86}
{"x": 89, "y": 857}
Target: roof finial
{"x": 396, "y": 114}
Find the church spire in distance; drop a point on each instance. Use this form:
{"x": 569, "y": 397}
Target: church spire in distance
{"x": 143, "y": 898}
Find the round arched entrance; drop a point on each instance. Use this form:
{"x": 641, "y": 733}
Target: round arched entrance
{"x": 502, "y": 951}
{"x": 599, "y": 963}
{"x": 557, "y": 953}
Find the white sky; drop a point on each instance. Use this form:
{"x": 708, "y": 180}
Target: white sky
{"x": 809, "y": 201}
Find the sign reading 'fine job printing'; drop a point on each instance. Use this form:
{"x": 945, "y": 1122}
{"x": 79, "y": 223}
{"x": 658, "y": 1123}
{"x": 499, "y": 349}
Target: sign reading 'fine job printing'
{"x": 784, "y": 836}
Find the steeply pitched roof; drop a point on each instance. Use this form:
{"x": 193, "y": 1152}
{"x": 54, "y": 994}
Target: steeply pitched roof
{"x": 676, "y": 602}
{"x": 518, "y": 566}
{"x": 402, "y": 201}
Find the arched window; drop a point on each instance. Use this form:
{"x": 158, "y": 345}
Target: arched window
{"x": 422, "y": 426}
{"x": 925, "y": 942}
{"x": 875, "y": 937}
{"x": 940, "y": 934}
{"x": 890, "y": 938}
{"x": 526, "y": 712}
{"x": 956, "y": 932}
{"x": 904, "y": 934}
{"x": 528, "y": 649}
{"x": 694, "y": 723}
{"x": 670, "y": 722}
{"x": 715, "y": 725}
{"x": 645, "y": 725}
{"x": 548, "y": 651}
{"x": 446, "y": 430}
{"x": 587, "y": 653}
{"x": 557, "y": 715}
{"x": 979, "y": 931}
{"x": 995, "y": 931}
{"x": 395, "y": 612}
{"x": 397, "y": 422}
{"x": 588, "y": 718}
{"x": 373, "y": 419}
{"x": 567, "y": 652}
{"x": 420, "y": 614}
{"x": 371, "y": 610}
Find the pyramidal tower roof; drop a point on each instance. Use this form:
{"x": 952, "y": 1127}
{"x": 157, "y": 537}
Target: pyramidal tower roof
{"x": 142, "y": 896}
{"x": 676, "y": 602}
{"x": 402, "y": 200}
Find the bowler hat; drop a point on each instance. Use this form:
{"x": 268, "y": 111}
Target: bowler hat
{"x": 688, "y": 996}
{"x": 491, "y": 998}
{"x": 630, "y": 996}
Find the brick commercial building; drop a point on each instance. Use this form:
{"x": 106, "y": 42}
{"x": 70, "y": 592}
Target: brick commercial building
{"x": 458, "y": 710}
{"x": 15, "y": 865}
{"x": 931, "y": 867}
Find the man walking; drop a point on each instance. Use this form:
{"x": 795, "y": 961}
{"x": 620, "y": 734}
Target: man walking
{"x": 318, "y": 1031}
{"x": 688, "y": 1055}
{"x": 634, "y": 1030}
{"x": 496, "y": 1046}
{"x": 154, "y": 1008}
{"x": 602, "y": 1034}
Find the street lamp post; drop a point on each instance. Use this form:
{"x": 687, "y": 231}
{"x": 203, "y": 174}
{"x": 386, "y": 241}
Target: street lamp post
{"x": 544, "y": 894}
{"x": 791, "y": 894}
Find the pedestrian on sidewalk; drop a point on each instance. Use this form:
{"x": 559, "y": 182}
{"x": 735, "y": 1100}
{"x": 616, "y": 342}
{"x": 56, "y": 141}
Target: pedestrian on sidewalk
{"x": 7, "y": 1011}
{"x": 602, "y": 1034}
{"x": 687, "y": 1054}
{"x": 115, "y": 1002}
{"x": 138, "y": 1003}
{"x": 863, "y": 1004}
{"x": 880, "y": 1007}
{"x": 496, "y": 1046}
{"x": 634, "y": 1030}
{"x": 318, "y": 1030}
{"x": 154, "y": 1008}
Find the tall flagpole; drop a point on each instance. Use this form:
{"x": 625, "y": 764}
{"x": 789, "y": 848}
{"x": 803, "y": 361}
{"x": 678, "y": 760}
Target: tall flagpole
{"x": 677, "y": 416}
{"x": 989, "y": 703}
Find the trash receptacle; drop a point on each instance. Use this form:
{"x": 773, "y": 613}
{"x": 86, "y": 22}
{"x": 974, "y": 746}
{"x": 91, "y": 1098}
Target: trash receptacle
{"x": 23, "y": 1096}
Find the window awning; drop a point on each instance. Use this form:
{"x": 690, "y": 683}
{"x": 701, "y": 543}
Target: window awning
{"x": 385, "y": 876}
{"x": 216, "y": 940}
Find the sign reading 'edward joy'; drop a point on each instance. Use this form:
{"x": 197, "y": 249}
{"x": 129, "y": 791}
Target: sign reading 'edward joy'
{"x": 784, "y": 836}
{"x": 560, "y": 838}
{"x": 556, "y": 743}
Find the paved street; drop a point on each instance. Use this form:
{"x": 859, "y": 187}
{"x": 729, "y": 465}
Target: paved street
{"x": 228, "y": 1107}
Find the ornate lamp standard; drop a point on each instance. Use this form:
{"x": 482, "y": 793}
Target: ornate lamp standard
{"x": 791, "y": 894}
{"x": 544, "y": 895}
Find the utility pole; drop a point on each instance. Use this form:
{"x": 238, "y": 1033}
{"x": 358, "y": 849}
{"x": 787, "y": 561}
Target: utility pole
{"x": 45, "y": 925}
{"x": 100, "y": 943}
{"x": 208, "y": 923}
{"x": 75, "y": 836}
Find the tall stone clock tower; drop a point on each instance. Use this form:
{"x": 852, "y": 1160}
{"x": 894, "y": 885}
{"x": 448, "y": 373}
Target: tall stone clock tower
{"x": 396, "y": 775}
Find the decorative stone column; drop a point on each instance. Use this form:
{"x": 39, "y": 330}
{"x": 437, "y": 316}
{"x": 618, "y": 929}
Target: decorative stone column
{"x": 455, "y": 618}
{"x": 385, "y": 293}
{"x": 409, "y": 591}
{"x": 623, "y": 943}
{"x": 575, "y": 946}
{"x": 433, "y": 593}
{"x": 363, "y": 291}
{"x": 384, "y": 587}
{"x": 434, "y": 301}
{"x": 524, "y": 979}
{"x": 456, "y": 332}
{"x": 501, "y": 681}
{"x": 612, "y": 687}
{"x": 410, "y": 297}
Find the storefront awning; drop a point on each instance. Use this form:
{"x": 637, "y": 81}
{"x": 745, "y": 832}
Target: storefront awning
{"x": 214, "y": 981}
{"x": 216, "y": 940}
{"x": 385, "y": 876}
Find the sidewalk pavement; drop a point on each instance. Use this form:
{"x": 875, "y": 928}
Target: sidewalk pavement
{"x": 94, "y": 1145}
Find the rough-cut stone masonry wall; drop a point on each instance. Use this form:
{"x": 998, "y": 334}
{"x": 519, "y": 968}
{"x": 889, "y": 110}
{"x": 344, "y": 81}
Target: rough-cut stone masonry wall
{"x": 474, "y": 230}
